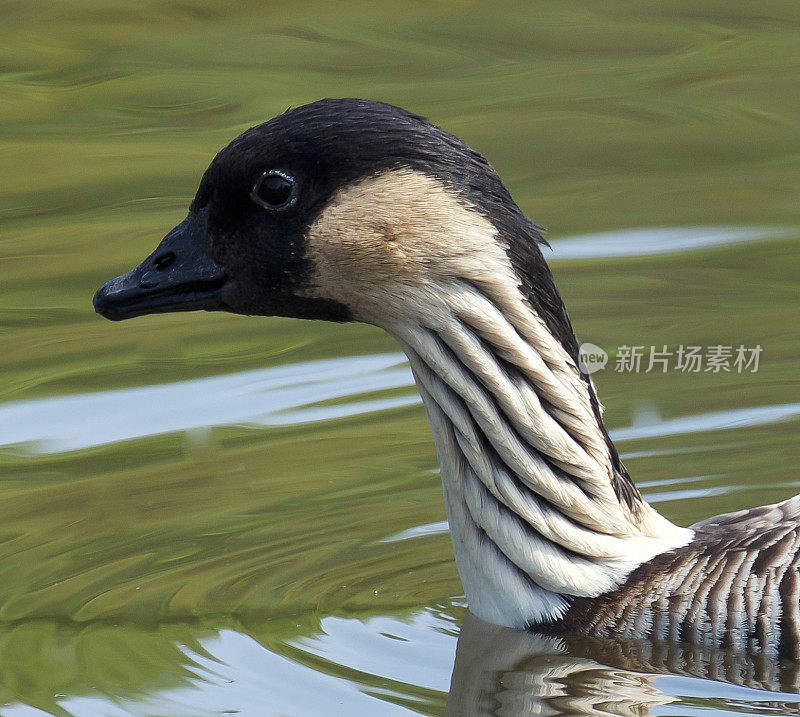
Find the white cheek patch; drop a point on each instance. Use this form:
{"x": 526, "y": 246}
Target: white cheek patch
{"x": 527, "y": 473}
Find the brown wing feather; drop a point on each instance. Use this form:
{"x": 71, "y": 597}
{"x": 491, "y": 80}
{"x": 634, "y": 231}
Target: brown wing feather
{"x": 736, "y": 585}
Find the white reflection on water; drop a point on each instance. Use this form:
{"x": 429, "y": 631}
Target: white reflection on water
{"x": 280, "y": 395}
{"x": 644, "y": 242}
{"x": 277, "y": 396}
{"x": 713, "y": 421}
{"x": 419, "y": 651}
{"x": 419, "y": 531}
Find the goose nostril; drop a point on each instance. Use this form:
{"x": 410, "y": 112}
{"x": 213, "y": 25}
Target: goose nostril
{"x": 148, "y": 281}
{"x": 164, "y": 261}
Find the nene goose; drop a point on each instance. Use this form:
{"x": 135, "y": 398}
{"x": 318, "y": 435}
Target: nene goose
{"x": 354, "y": 210}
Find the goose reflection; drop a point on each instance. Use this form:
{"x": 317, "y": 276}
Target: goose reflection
{"x": 504, "y": 672}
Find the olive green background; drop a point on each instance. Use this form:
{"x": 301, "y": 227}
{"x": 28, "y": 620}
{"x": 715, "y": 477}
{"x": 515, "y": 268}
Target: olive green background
{"x": 599, "y": 116}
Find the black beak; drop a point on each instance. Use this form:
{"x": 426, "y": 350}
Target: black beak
{"x": 178, "y": 276}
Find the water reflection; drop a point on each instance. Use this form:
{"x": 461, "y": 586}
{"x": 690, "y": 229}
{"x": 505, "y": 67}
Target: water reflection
{"x": 378, "y": 665}
{"x": 667, "y": 240}
{"x": 503, "y": 672}
{"x": 282, "y": 395}
{"x": 370, "y": 665}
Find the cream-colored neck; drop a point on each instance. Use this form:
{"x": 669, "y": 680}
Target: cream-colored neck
{"x": 527, "y": 471}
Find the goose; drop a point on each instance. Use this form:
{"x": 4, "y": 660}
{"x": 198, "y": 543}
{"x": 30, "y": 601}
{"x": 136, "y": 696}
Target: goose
{"x": 355, "y": 210}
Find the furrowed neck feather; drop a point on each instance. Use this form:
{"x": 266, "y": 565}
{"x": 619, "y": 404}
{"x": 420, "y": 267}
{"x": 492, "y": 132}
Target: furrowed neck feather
{"x": 528, "y": 477}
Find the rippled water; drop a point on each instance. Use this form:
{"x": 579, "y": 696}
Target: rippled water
{"x": 204, "y": 514}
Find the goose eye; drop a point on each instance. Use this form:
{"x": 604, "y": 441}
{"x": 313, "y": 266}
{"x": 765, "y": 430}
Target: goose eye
{"x": 274, "y": 189}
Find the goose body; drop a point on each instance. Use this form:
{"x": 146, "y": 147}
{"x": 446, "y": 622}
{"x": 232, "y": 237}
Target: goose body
{"x": 351, "y": 210}
{"x": 734, "y": 585}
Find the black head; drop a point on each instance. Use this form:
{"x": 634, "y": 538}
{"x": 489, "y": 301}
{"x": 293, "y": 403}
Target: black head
{"x": 243, "y": 247}
{"x": 266, "y": 233}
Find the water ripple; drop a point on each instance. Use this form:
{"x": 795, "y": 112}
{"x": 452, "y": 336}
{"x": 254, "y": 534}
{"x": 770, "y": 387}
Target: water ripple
{"x": 277, "y": 396}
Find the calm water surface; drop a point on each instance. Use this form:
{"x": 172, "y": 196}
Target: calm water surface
{"x": 207, "y": 514}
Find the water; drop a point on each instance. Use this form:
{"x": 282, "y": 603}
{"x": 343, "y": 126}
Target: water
{"x": 205, "y": 514}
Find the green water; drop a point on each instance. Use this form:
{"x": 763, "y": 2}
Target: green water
{"x": 244, "y": 566}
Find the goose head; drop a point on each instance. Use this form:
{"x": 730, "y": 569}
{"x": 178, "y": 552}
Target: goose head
{"x": 350, "y": 210}
{"x": 341, "y": 210}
